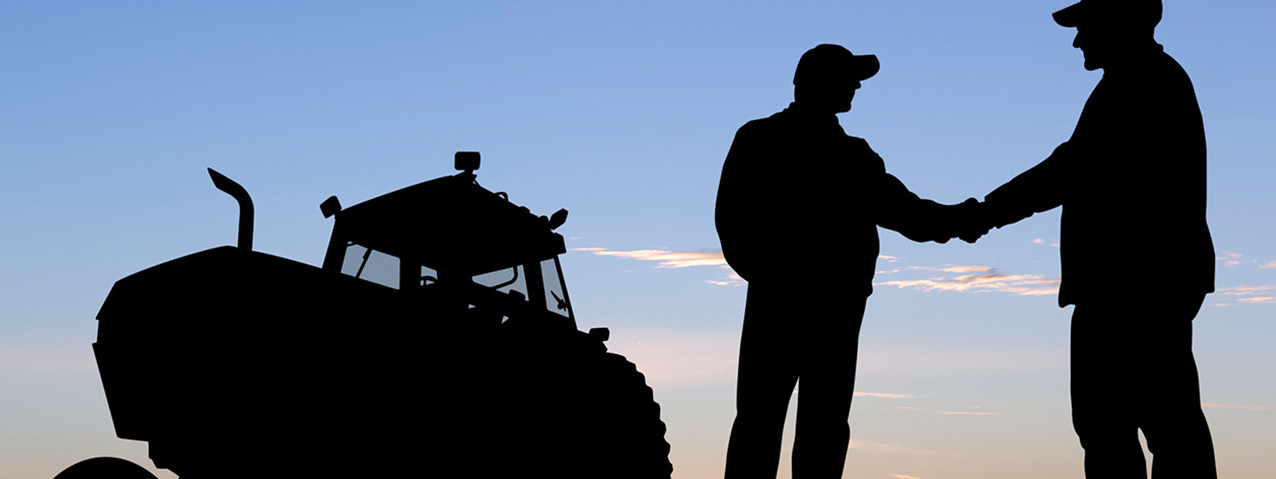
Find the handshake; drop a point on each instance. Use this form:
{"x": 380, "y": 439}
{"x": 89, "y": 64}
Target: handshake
{"x": 968, "y": 220}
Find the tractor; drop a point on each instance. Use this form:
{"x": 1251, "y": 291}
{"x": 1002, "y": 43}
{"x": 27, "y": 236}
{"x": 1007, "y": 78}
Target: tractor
{"x": 437, "y": 338}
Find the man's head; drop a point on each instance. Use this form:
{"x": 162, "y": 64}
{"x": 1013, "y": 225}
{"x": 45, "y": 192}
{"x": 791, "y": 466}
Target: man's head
{"x": 1108, "y": 28}
{"x": 828, "y": 75}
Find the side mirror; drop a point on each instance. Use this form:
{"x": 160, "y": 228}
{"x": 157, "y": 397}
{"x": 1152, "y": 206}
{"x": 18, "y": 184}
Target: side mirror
{"x": 558, "y": 218}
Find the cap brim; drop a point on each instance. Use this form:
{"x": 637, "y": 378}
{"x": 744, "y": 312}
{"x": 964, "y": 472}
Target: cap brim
{"x": 1071, "y": 16}
{"x": 865, "y": 66}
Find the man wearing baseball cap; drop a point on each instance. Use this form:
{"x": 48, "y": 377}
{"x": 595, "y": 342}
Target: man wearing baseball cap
{"x": 797, "y": 213}
{"x": 1131, "y": 181}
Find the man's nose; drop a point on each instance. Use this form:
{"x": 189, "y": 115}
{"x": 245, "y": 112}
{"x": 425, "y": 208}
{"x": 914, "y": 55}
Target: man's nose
{"x": 1076, "y": 41}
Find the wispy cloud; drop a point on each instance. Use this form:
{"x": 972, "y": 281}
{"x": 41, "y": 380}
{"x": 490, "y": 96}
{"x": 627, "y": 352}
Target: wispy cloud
{"x": 970, "y": 278}
{"x": 884, "y": 395}
{"x": 904, "y": 476}
{"x": 675, "y": 259}
{"x": 1250, "y": 294}
{"x": 1237, "y": 406}
{"x": 1245, "y": 290}
{"x": 954, "y": 269}
{"x": 1232, "y": 259}
{"x": 885, "y": 448}
{"x": 664, "y": 258}
{"x": 1043, "y": 242}
{"x": 1020, "y": 284}
{"x": 732, "y": 279}
{"x": 969, "y": 413}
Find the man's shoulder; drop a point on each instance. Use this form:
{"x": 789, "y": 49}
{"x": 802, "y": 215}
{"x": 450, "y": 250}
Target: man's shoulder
{"x": 857, "y": 142}
{"x": 763, "y": 126}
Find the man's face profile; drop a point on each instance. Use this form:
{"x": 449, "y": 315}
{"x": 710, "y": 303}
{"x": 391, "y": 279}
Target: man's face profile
{"x": 833, "y": 95}
{"x": 1094, "y": 45}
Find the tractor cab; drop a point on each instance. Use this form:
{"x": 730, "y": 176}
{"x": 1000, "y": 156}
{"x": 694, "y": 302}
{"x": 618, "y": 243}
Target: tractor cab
{"x": 451, "y": 236}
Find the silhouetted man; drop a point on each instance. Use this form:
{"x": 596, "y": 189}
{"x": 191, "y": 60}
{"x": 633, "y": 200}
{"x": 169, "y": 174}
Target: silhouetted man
{"x": 797, "y": 213}
{"x": 1137, "y": 259}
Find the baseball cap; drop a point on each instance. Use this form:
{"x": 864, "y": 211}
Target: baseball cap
{"x": 1131, "y": 12}
{"x": 827, "y": 62}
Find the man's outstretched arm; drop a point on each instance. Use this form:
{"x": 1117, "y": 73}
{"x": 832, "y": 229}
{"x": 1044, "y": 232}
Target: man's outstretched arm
{"x": 1039, "y": 189}
{"x": 924, "y": 220}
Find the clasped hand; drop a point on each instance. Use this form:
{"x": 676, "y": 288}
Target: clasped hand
{"x": 967, "y": 220}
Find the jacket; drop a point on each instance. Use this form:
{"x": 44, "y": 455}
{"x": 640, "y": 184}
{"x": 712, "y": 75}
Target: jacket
{"x": 800, "y": 201}
{"x": 1131, "y": 181}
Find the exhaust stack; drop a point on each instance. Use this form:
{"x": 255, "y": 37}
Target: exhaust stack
{"x": 245, "y": 206}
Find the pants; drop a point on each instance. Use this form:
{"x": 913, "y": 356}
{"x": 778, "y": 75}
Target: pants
{"x": 1132, "y": 368}
{"x": 787, "y": 336}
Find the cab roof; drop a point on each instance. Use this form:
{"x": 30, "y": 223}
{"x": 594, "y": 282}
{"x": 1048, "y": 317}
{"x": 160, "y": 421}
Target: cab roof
{"x": 452, "y": 225}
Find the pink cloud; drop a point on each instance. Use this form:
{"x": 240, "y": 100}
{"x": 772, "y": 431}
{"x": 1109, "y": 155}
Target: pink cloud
{"x": 1268, "y": 265}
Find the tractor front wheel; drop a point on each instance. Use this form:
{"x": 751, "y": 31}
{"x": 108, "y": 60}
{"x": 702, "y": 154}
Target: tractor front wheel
{"x": 105, "y": 468}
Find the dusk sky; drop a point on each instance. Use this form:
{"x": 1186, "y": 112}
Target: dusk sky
{"x": 621, "y": 112}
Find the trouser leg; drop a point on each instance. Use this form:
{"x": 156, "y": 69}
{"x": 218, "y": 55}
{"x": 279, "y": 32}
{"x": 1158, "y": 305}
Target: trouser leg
{"x": 1133, "y": 368}
{"x": 764, "y": 384}
{"x": 1103, "y": 402}
{"x": 825, "y": 389}
{"x": 1174, "y": 424}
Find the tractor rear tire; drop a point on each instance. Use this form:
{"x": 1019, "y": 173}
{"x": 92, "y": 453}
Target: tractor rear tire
{"x": 580, "y": 413}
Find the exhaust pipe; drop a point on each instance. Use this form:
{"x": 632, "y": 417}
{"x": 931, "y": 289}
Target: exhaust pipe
{"x": 245, "y": 206}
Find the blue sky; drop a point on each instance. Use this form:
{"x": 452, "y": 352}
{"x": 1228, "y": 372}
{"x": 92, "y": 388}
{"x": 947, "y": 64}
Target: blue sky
{"x": 621, "y": 113}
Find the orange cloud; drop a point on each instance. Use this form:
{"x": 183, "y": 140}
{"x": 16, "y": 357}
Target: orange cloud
{"x": 1244, "y": 290}
{"x": 1268, "y": 265}
{"x": 1250, "y": 294}
{"x": 904, "y": 476}
{"x": 666, "y": 258}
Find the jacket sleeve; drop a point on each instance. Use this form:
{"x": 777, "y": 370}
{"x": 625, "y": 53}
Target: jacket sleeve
{"x": 896, "y": 208}
{"x": 735, "y": 211}
{"x": 1037, "y": 190}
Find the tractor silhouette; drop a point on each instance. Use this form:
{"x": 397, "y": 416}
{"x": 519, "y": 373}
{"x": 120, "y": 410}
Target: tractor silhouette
{"x": 437, "y": 339}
